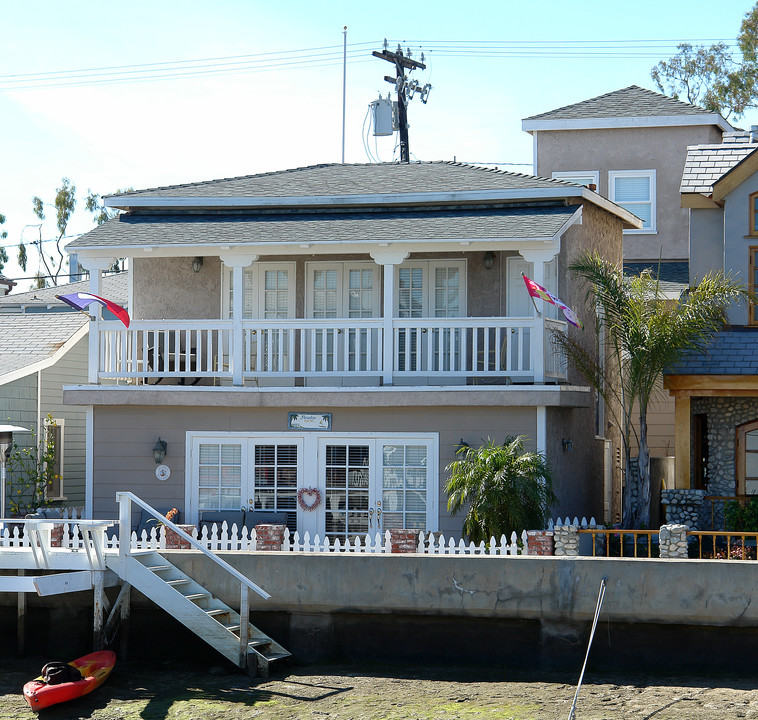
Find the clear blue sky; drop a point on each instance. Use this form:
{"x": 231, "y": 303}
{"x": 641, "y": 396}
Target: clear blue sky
{"x": 284, "y": 109}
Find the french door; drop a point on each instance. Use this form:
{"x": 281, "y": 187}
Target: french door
{"x": 372, "y": 485}
{"x": 252, "y": 474}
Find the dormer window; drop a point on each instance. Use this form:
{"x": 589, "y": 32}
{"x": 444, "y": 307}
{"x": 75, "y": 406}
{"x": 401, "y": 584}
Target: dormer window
{"x": 753, "y": 228}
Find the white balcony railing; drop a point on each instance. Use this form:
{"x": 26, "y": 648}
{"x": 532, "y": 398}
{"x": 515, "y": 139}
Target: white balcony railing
{"x": 445, "y": 348}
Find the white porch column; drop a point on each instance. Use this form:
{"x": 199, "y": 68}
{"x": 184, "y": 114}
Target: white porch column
{"x": 237, "y": 263}
{"x": 538, "y": 258}
{"x": 388, "y": 260}
{"x": 95, "y": 266}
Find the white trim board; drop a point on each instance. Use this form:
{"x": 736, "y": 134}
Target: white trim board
{"x": 607, "y": 123}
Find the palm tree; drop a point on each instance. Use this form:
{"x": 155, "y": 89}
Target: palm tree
{"x": 505, "y": 488}
{"x": 639, "y": 333}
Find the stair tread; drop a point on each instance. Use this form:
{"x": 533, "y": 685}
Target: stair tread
{"x": 180, "y": 581}
{"x": 218, "y": 611}
{"x": 197, "y": 596}
{"x": 156, "y": 568}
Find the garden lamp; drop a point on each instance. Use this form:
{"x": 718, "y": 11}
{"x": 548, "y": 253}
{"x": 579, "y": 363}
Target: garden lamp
{"x": 6, "y": 443}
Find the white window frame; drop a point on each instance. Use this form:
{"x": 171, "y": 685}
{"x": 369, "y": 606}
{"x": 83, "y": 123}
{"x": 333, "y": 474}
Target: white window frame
{"x": 343, "y": 286}
{"x": 651, "y": 175}
{"x": 428, "y": 268}
{"x": 575, "y": 177}
{"x": 258, "y": 272}
{"x": 60, "y": 455}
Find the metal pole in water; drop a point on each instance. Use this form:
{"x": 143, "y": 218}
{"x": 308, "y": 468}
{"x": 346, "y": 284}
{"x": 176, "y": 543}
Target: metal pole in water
{"x": 600, "y": 596}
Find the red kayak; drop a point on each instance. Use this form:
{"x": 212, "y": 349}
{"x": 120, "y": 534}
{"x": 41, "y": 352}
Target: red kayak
{"x": 94, "y": 669}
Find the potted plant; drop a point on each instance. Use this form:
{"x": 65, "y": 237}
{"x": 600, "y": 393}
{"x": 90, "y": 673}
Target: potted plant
{"x": 504, "y": 487}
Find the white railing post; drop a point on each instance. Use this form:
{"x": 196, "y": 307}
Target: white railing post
{"x": 124, "y": 527}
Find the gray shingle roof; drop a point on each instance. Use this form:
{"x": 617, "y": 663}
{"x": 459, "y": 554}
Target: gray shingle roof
{"x": 632, "y": 101}
{"x": 366, "y": 179}
{"x": 251, "y": 228}
{"x": 115, "y": 287}
{"x": 705, "y": 164}
{"x": 675, "y": 274}
{"x": 26, "y": 339}
{"x": 732, "y": 352}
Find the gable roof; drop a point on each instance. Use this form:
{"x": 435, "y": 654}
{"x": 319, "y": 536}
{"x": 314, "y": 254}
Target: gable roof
{"x": 371, "y": 180}
{"x": 632, "y": 106}
{"x": 29, "y": 342}
{"x": 707, "y": 164}
{"x": 114, "y": 286}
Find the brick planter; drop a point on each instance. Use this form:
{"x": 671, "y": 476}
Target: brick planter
{"x": 539, "y": 542}
{"x": 403, "y": 541}
{"x": 269, "y": 537}
{"x": 56, "y": 536}
{"x": 176, "y": 542}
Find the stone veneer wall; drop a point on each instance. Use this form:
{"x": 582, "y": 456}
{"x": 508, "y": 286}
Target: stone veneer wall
{"x": 724, "y": 415}
{"x": 685, "y": 507}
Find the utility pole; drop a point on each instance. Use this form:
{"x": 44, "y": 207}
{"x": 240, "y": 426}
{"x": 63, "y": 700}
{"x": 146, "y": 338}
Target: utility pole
{"x": 402, "y": 87}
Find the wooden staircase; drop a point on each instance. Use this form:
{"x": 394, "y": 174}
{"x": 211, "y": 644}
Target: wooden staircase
{"x": 197, "y": 609}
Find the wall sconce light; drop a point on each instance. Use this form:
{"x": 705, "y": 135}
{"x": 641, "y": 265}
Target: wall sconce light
{"x": 489, "y": 259}
{"x": 568, "y": 446}
{"x": 462, "y": 446}
{"x": 197, "y": 263}
{"x": 159, "y": 451}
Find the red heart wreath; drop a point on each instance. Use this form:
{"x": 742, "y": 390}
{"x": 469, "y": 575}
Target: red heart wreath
{"x": 309, "y": 498}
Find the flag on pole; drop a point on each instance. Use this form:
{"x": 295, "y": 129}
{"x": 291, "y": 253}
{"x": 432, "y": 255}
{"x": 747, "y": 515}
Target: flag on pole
{"x": 538, "y": 291}
{"x": 81, "y": 300}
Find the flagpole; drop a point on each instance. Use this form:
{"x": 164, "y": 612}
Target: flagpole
{"x": 531, "y": 297}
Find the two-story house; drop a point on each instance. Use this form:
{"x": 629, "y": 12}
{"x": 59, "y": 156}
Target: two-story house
{"x": 320, "y": 341}
{"x": 716, "y": 395}
{"x": 630, "y": 144}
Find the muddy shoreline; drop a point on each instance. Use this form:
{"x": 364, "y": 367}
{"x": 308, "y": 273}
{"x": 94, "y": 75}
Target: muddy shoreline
{"x": 195, "y": 691}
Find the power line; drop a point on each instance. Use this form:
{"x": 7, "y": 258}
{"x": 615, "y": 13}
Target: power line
{"x": 328, "y": 55}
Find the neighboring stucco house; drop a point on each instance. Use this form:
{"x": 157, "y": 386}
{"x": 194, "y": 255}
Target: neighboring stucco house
{"x": 343, "y": 328}
{"x": 717, "y": 394}
{"x": 44, "y": 346}
{"x": 631, "y": 144}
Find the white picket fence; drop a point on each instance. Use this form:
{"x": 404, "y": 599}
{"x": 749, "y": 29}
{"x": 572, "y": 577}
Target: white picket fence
{"x": 226, "y": 538}
{"x": 560, "y": 522}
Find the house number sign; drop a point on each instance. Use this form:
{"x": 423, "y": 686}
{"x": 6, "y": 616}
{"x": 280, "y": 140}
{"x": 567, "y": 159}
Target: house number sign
{"x": 309, "y": 421}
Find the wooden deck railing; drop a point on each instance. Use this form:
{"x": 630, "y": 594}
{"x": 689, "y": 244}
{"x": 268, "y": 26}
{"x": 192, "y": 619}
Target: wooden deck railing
{"x": 614, "y": 542}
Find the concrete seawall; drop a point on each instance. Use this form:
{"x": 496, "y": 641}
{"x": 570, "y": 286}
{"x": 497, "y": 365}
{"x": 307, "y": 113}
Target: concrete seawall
{"x": 527, "y": 611}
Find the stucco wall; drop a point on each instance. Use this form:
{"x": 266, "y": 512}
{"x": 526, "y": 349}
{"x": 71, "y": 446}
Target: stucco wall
{"x": 168, "y": 288}
{"x": 706, "y": 241}
{"x": 661, "y": 148}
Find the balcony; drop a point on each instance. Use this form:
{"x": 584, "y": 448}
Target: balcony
{"x": 365, "y": 351}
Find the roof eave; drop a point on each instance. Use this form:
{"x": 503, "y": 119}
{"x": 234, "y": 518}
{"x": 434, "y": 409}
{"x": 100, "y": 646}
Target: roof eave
{"x": 608, "y": 123}
{"x": 179, "y": 202}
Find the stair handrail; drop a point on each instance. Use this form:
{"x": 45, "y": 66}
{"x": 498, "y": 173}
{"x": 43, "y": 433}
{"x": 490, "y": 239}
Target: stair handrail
{"x": 124, "y": 500}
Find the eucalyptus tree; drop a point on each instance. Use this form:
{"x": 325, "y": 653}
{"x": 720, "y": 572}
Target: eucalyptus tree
{"x": 504, "y": 488}
{"x": 639, "y": 332}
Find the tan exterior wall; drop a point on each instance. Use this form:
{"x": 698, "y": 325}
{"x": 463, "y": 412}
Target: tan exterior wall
{"x": 659, "y": 148}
